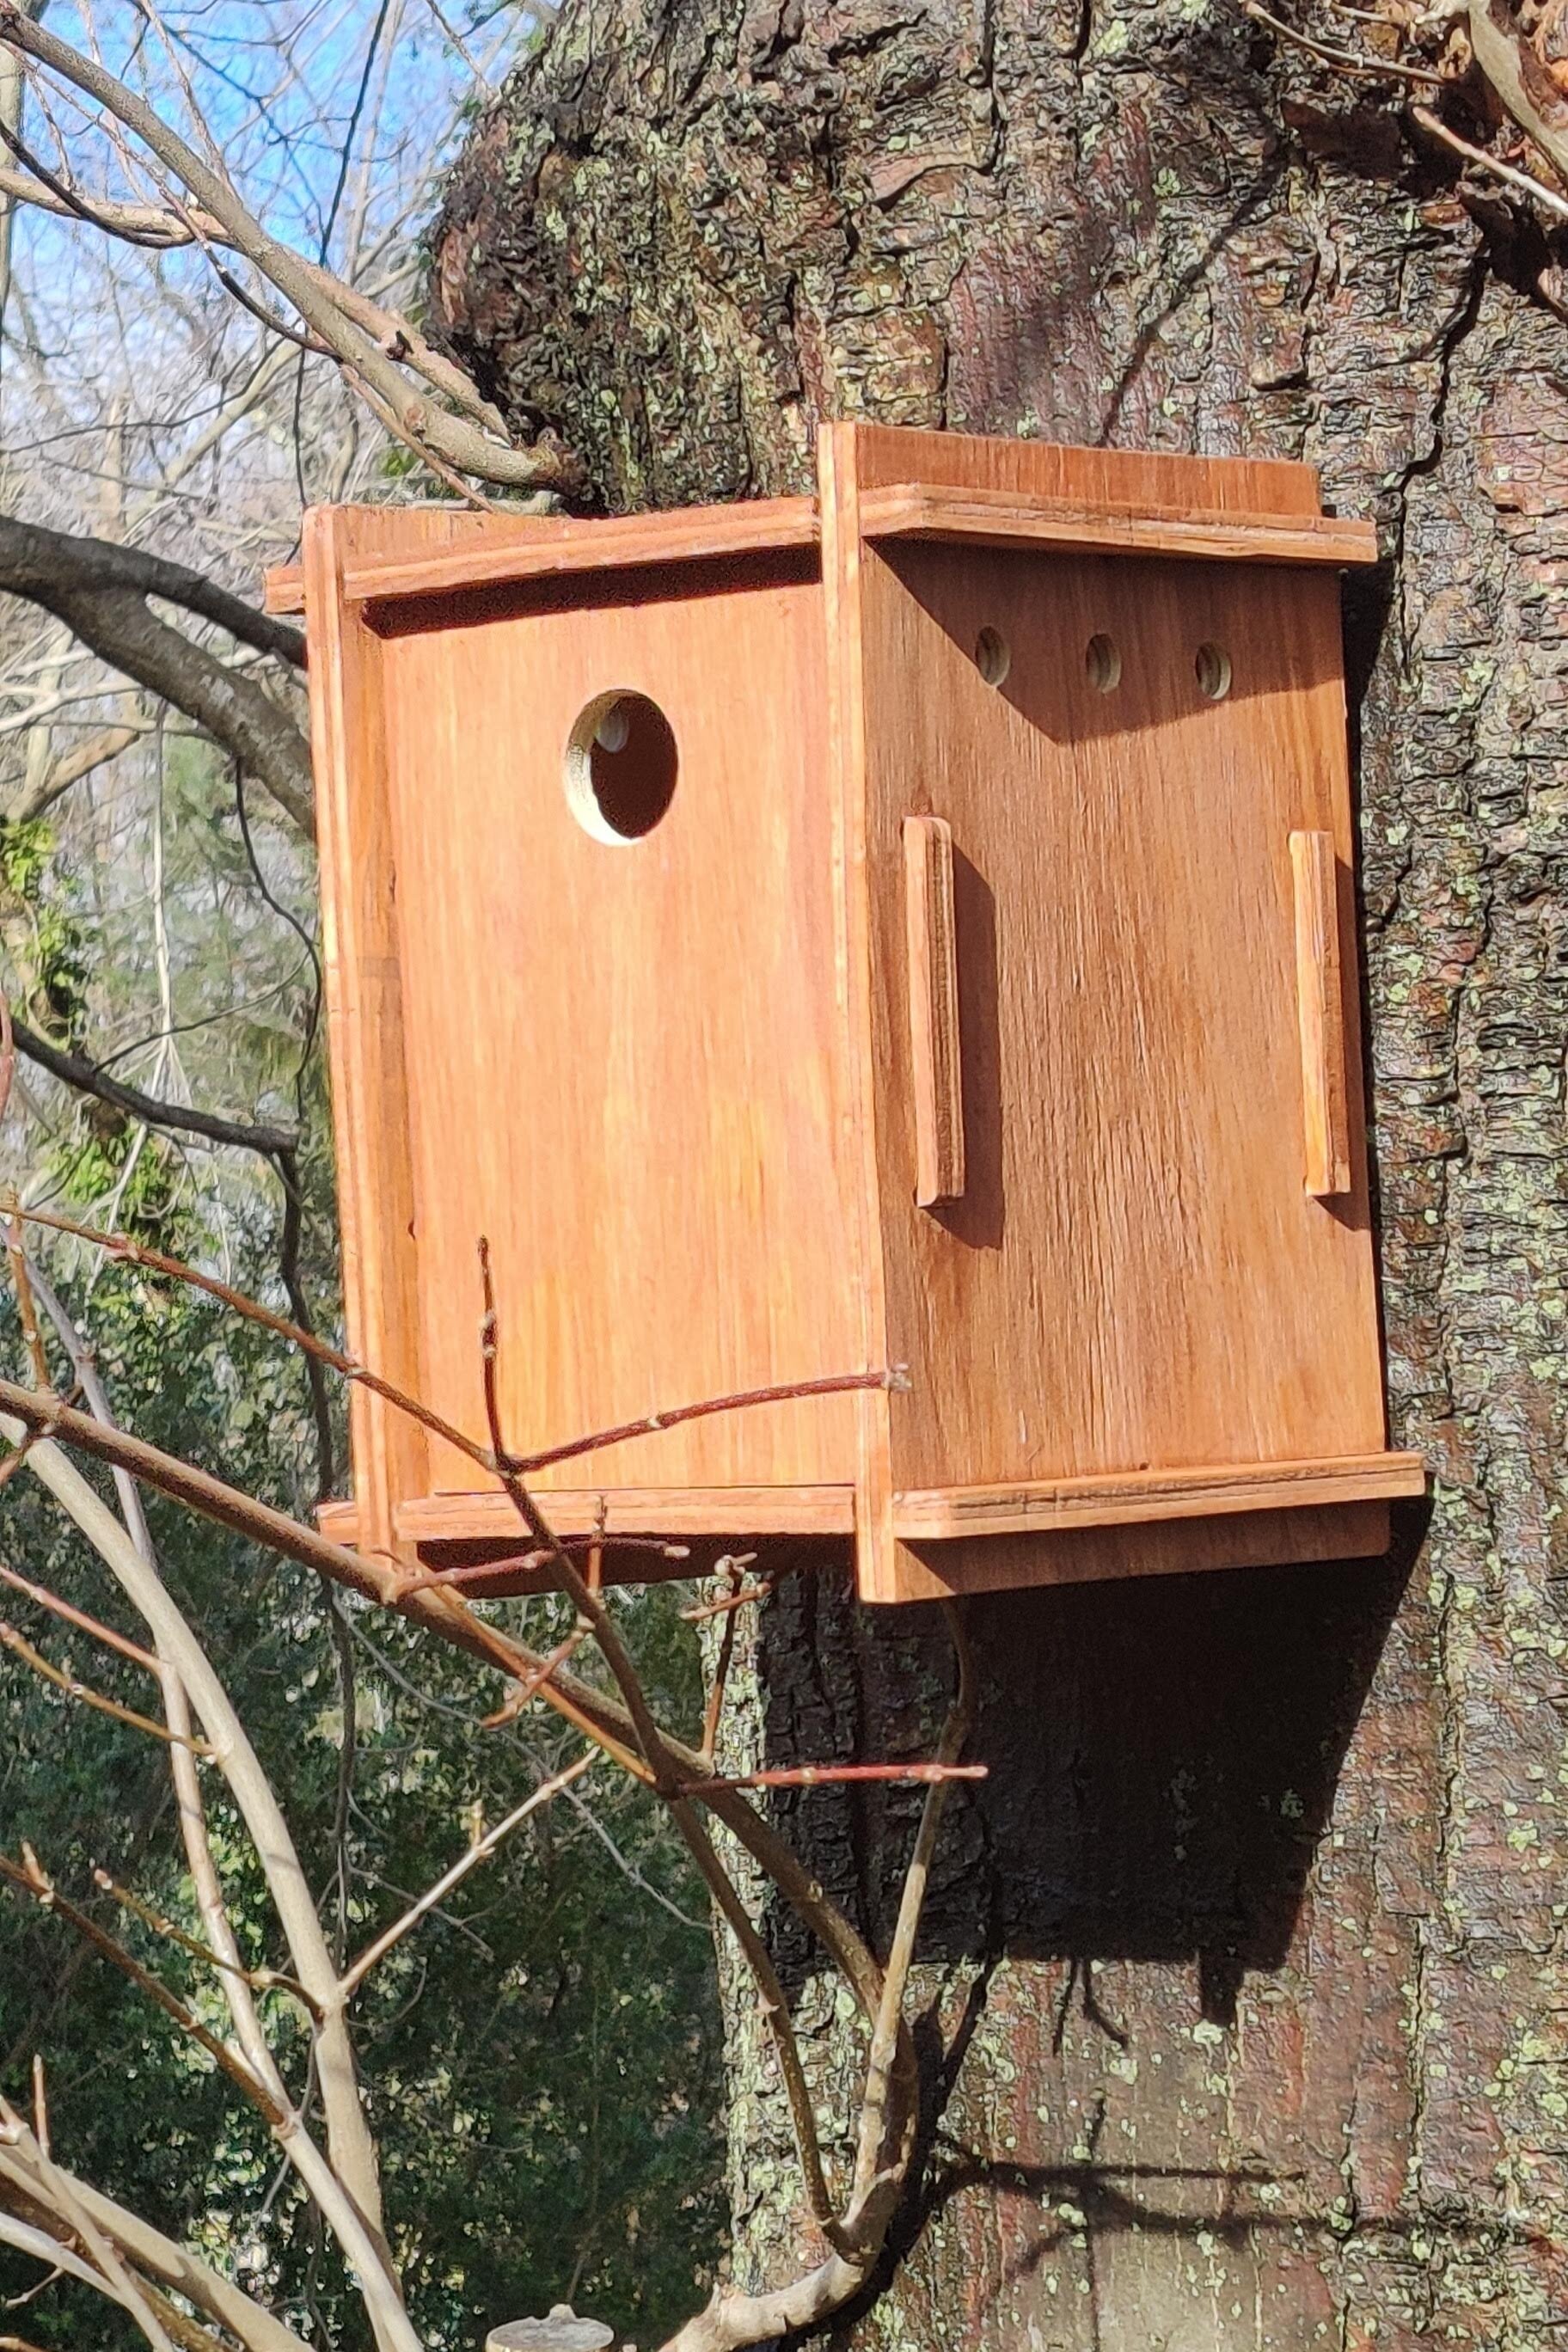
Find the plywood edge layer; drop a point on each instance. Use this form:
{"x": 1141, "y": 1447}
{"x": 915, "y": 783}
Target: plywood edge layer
{"x": 1003, "y": 518}
{"x": 942, "y": 1514}
{"x": 559, "y": 544}
{"x": 627, "y": 1511}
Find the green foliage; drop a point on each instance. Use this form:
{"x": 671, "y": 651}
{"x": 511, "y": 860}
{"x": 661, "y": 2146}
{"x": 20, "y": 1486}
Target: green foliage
{"x": 541, "y": 2057}
{"x": 54, "y": 952}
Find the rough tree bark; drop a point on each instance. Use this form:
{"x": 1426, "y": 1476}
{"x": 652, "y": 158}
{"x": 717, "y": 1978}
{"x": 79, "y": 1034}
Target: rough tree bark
{"x": 1246, "y": 1961}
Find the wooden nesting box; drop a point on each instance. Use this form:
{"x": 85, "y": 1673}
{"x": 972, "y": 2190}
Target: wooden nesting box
{"x": 909, "y": 928}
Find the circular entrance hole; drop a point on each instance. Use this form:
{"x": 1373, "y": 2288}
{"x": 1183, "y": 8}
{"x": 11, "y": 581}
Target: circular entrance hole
{"x": 621, "y": 766}
{"x": 993, "y": 655}
{"x": 1102, "y": 663}
{"x": 1212, "y": 668}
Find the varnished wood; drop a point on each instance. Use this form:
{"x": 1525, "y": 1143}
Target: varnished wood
{"x": 938, "y": 1515}
{"x": 364, "y": 1009}
{"x": 694, "y": 1086}
{"x": 1319, "y": 991}
{"x": 544, "y": 546}
{"x": 1134, "y": 1277}
{"x": 490, "y": 1517}
{"x": 839, "y": 461}
{"x": 623, "y": 1058}
{"x": 1145, "y": 480}
{"x": 638, "y": 1510}
{"x": 1001, "y": 519}
{"x": 934, "y": 1060}
{"x": 949, "y": 1513}
{"x": 928, "y": 1572}
{"x": 283, "y": 589}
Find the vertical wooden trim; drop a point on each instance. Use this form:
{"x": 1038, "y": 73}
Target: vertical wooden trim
{"x": 364, "y": 1013}
{"x": 875, "y": 1548}
{"x": 1320, "y": 990}
{"x": 933, "y": 1010}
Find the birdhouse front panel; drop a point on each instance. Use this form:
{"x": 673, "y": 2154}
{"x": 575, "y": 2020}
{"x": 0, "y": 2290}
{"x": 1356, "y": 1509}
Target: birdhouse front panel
{"x": 908, "y": 935}
{"x": 616, "y": 930}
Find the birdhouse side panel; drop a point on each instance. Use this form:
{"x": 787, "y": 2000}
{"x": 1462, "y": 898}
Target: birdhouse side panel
{"x": 623, "y": 1034}
{"x": 364, "y": 990}
{"x": 1129, "y": 1276}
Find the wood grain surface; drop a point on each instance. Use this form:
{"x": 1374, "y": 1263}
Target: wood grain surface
{"x": 624, "y": 1055}
{"x": 1134, "y": 1279}
{"x": 945, "y": 1012}
{"x": 935, "y": 1063}
{"x": 1319, "y": 991}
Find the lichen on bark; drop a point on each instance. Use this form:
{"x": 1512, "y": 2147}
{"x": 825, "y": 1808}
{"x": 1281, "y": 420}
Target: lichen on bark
{"x": 1244, "y": 1990}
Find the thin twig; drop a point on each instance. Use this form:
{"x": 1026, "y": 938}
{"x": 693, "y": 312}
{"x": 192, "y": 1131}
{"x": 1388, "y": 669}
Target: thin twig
{"x": 518, "y": 1697}
{"x": 740, "y": 1597}
{"x": 888, "y": 2116}
{"x": 22, "y": 1648}
{"x": 66, "y": 1610}
{"x": 258, "y": 1979}
{"x": 665, "y": 1777}
{"x": 75, "y": 1070}
{"x": 7, "y": 1054}
{"x": 458, "y": 440}
{"x": 134, "y": 1253}
{"x": 713, "y": 1713}
{"x": 119, "y": 2283}
{"x": 596, "y": 1712}
{"x": 355, "y": 1976}
{"x": 139, "y": 1254}
{"x": 346, "y": 2182}
{"x": 48, "y": 2188}
{"x": 29, "y": 1876}
{"x": 16, "y": 1264}
{"x": 1343, "y": 60}
{"x": 782, "y": 1392}
{"x": 1524, "y": 181}
{"x": 15, "y": 1460}
{"x": 522, "y": 1563}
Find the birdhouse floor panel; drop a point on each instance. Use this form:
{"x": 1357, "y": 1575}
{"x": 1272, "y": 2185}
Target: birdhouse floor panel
{"x": 938, "y": 1517}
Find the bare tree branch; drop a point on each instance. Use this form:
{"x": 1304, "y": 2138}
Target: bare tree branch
{"x": 457, "y": 439}
{"x": 374, "y": 1953}
{"x": 594, "y": 1711}
{"x": 37, "y": 563}
{"x": 1520, "y": 80}
{"x": 75, "y": 1070}
{"x": 35, "y": 798}
{"x": 22, "y": 2177}
{"x": 13, "y": 2133}
{"x": 347, "y": 2188}
{"x": 116, "y": 623}
{"x": 25, "y": 2240}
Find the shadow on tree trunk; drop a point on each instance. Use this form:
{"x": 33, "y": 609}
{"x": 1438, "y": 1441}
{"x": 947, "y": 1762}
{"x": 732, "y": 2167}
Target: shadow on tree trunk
{"x": 1163, "y": 1754}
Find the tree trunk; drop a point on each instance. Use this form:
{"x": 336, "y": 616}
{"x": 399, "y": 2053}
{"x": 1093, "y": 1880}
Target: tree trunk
{"x": 1243, "y": 2001}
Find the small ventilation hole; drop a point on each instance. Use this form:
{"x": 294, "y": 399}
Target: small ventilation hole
{"x": 993, "y": 655}
{"x": 1212, "y": 669}
{"x": 1102, "y": 664}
